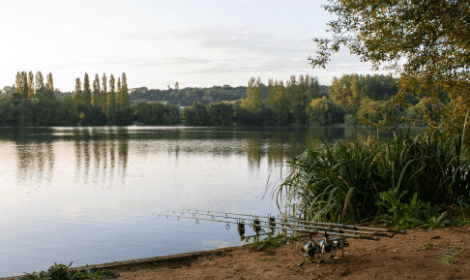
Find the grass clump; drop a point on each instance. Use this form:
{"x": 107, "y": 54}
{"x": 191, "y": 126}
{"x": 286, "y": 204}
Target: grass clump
{"x": 406, "y": 181}
{"x": 62, "y": 272}
{"x": 426, "y": 246}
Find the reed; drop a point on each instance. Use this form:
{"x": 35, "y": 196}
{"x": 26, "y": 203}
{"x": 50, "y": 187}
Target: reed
{"x": 349, "y": 183}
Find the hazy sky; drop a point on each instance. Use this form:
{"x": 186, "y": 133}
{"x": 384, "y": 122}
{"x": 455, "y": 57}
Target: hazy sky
{"x": 197, "y": 43}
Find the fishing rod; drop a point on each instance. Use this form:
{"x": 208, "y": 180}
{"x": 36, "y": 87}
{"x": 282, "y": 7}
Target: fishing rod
{"x": 401, "y": 231}
{"x": 257, "y": 226}
{"x": 272, "y": 222}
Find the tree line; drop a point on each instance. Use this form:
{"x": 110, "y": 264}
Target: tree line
{"x": 187, "y": 96}
{"x": 350, "y": 99}
{"x": 299, "y": 101}
{"x": 34, "y": 102}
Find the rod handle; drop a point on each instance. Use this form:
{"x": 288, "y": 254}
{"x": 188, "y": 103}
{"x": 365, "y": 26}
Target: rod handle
{"x": 375, "y": 238}
{"x": 401, "y": 231}
{"x": 391, "y": 235}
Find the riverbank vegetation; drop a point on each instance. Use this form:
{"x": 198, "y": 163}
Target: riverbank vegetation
{"x": 408, "y": 181}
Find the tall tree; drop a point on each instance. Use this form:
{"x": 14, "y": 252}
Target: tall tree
{"x": 431, "y": 37}
{"x": 30, "y": 85}
{"x": 119, "y": 96}
{"x": 78, "y": 95}
{"x": 24, "y": 79}
{"x": 278, "y": 101}
{"x": 86, "y": 91}
{"x": 111, "y": 104}
{"x": 104, "y": 93}
{"x": 19, "y": 82}
{"x": 50, "y": 82}
{"x": 301, "y": 93}
{"x": 95, "y": 101}
{"x": 39, "y": 80}
{"x": 125, "y": 92}
{"x": 254, "y": 95}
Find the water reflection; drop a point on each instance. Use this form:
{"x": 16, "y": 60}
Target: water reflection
{"x": 98, "y": 157}
{"x": 101, "y": 154}
{"x": 35, "y": 162}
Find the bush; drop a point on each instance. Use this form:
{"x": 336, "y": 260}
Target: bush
{"x": 349, "y": 182}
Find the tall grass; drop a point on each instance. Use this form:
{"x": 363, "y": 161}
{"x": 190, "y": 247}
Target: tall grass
{"x": 361, "y": 181}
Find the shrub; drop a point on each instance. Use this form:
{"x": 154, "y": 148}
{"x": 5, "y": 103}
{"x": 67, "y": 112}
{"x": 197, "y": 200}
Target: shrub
{"x": 344, "y": 182}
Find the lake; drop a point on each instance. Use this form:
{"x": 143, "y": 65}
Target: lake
{"x": 93, "y": 194}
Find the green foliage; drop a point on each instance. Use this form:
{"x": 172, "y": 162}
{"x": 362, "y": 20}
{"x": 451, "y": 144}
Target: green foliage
{"x": 95, "y": 100}
{"x": 8, "y": 110}
{"x": 50, "y": 82}
{"x": 254, "y": 95}
{"x": 45, "y": 107}
{"x": 220, "y": 113}
{"x": 414, "y": 213}
{"x": 111, "y": 101}
{"x": 86, "y": 91}
{"x": 301, "y": 93}
{"x": 78, "y": 95}
{"x": 25, "y": 113}
{"x": 156, "y": 113}
{"x": 426, "y": 246}
{"x": 62, "y": 272}
{"x": 352, "y": 182}
{"x": 212, "y": 114}
{"x": 187, "y": 96}
{"x": 375, "y": 111}
{"x": 59, "y": 271}
{"x": 197, "y": 114}
{"x": 67, "y": 112}
{"x": 432, "y": 38}
{"x": 324, "y": 112}
{"x": 91, "y": 116}
{"x": 36, "y": 275}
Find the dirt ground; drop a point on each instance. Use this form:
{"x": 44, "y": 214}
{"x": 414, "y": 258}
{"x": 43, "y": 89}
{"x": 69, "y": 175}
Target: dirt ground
{"x": 419, "y": 254}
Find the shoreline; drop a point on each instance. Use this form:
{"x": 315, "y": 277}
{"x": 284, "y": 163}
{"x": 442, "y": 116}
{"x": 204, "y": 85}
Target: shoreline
{"x": 158, "y": 259}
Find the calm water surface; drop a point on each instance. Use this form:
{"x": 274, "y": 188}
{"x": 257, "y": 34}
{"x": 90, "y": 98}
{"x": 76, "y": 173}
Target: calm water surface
{"x": 93, "y": 195}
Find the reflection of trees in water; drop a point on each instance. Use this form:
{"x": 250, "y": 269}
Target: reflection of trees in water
{"x": 254, "y": 150}
{"x": 278, "y": 145}
{"x": 284, "y": 144}
{"x": 110, "y": 151}
{"x": 34, "y": 160}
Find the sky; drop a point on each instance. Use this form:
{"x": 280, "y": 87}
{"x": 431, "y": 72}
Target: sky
{"x": 197, "y": 43}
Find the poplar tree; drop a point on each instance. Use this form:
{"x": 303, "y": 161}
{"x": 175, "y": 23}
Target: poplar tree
{"x": 39, "y": 80}
{"x": 104, "y": 93}
{"x": 50, "y": 82}
{"x": 111, "y": 104}
{"x": 30, "y": 85}
{"x": 24, "y": 80}
{"x": 19, "y": 82}
{"x": 95, "y": 101}
{"x": 77, "y": 95}
{"x": 119, "y": 96}
{"x": 125, "y": 92}
{"x": 86, "y": 91}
